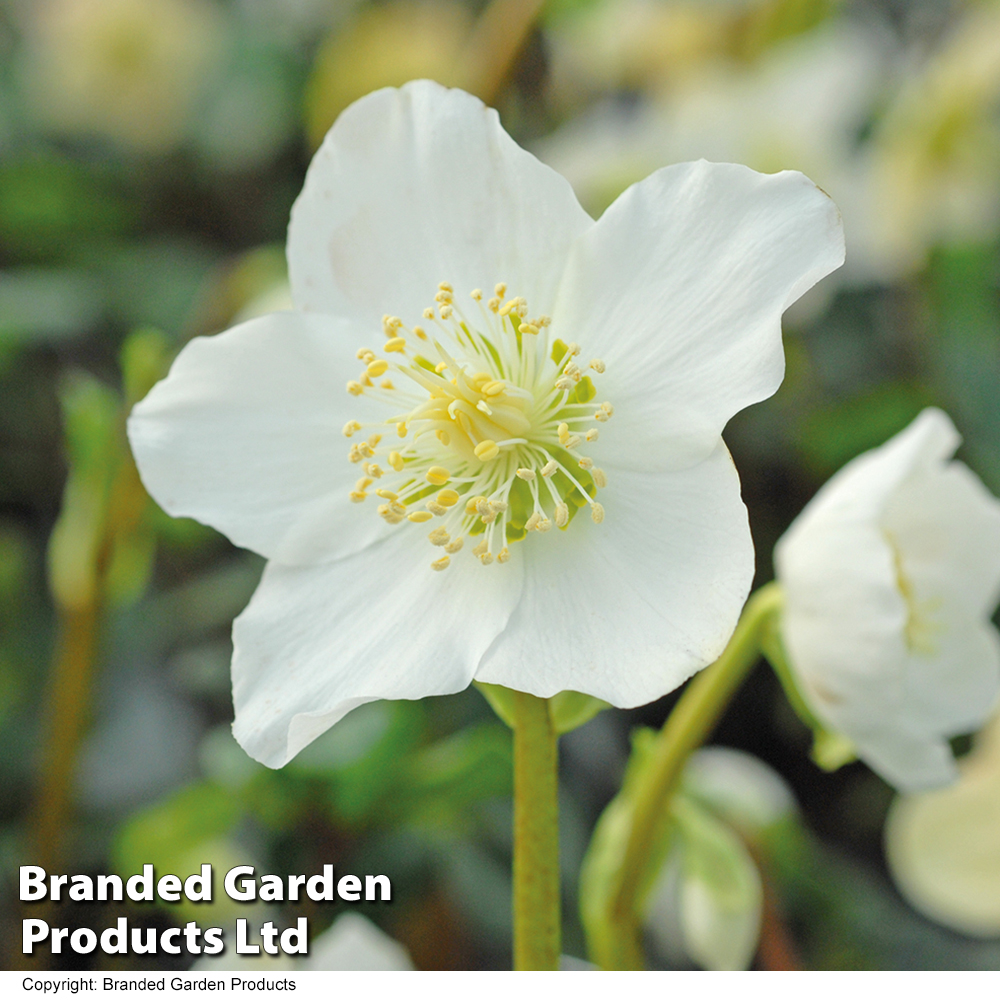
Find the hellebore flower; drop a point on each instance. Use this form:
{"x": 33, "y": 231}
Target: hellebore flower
{"x": 943, "y": 846}
{"x": 511, "y": 367}
{"x": 889, "y": 577}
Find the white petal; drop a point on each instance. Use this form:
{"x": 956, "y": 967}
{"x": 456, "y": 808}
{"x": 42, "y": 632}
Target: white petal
{"x": 246, "y": 434}
{"x": 861, "y": 489}
{"x": 628, "y": 609}
{"x": 317, "y": 641}
{"x": 680, "y": 288}
{"x": 421, "y": 185}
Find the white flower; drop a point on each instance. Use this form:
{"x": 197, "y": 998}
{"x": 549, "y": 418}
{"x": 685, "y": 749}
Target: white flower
{"x": 890, "y": 575}
{"x": 465, "y": 434}
{"x": 943, "y": 846}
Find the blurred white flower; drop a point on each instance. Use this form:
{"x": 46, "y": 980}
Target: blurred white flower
{"x": 354, "y": 943}
{"x": 889, "y": 577}
{"x": 707, "y": 902}
{"x": 802, "y": 106}
{"x": 936, "y": 147}
{"x": 944, "y": 846}
{"x": 126, "y": 69}
{"x": 475, "y": 424}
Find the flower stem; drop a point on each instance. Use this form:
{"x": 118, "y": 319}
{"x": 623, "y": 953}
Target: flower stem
{"x": 536, "y": 835}
{"x": 69, "y": 702}
{"x": 687, "y": 727}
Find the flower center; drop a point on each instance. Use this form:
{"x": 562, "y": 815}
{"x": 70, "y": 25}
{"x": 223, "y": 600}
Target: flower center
{"x": 487, "y": 426}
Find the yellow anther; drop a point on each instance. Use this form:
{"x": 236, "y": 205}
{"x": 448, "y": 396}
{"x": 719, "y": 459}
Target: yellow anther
{"x": 441, "y": 366}
{"x": 355, "y": 388}
{"x": 526, "y": 474}
{"x": 374, "y": 440}
{"x": 596, "y": 513}
{"x": 387, "y": 494}
{"x": 489, "y": 517}
{"x": 477, "y": 294}
{"x": 608, "y": 409}
{"x": 593, "y": 434}
{"x": 396, "y": 507}
{"x": 444, "y": 286}
{"x": 486, "y": 558}
{"x": 358, "y": 496}
{"x": 441, "y": 563}
{"x": 586, "y": 463}
{"x": 528, "y": 328}
{"x": 564, "y": 383}
{"x": 397, "y": 344}
{"x": 396, "y": 461}
{"x": 598, "y": 365}
{"x": 563, "y": 431}
{"x": 363, "y": 483}
{"x": 500, "y": 289}
{"x": 354, "y": 455}
{"x": 401, "y": 428}
{"x": 378, "y": 367}
{"x": 561, "y": 515}
{"x": 386, "y": 384}
{"x": 435, "y": 508}
{"x": 365, "y": 380}
{"x": 447, "y": 498}
{"x": 374, "y": 470}
{"x": 508, "y": 307}
{"x": 480, "y": 379}
{"x": 486, "y": 450}
{"x": 364, "y": 355}
{"x": 443, "y": 436}
{"x": 549, "y": 468}
{"x": 454, "y": 545}
{"x": 600, "y": 479}
{"x": 428, "y": 313}
{"x": 493, "y": 388}
{"x": 601, "y": 416}
{"x": 446, "y": 312}
{"x": 480, "y": 548}
{"x": 497, "y": 506}
{"x": 532, "y": 523}
{"x": 572, "y": 441}
{"x": 439, "y": 536}
{"x": 544, "y": 524}
{"x": 493, "y": 304}
{"x": 472, "y": 505}
{"x": 544, "y": 321}
{"x": 572, "y": 349}
{"x": 503, "y": 555}
{"x": 419, "y": 333}
{"x": 350, "y": 427}
{"x": 437, "y": 474}
{"x": 390, "y": 515}
{"x": 483, "y": 506}
{"x": 419, "y": 516}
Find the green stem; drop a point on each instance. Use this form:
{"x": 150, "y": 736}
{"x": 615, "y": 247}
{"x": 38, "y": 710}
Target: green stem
{"x": 688, "y": 726}
{"x": 536, "y": 835}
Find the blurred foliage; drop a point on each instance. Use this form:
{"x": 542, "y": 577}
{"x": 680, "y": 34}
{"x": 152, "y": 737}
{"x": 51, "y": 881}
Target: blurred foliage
{"x": 150, "y": 155}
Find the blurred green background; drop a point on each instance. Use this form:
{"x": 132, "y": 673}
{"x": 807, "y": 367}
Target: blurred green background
{"x": 150, "y": 151}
